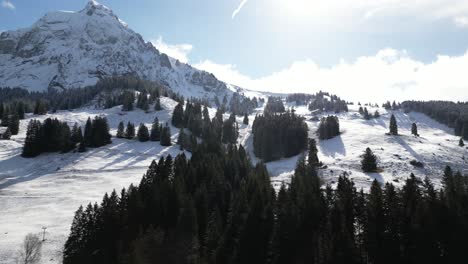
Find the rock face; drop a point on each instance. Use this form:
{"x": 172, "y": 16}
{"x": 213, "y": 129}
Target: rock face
{"x": 73, "y": 49}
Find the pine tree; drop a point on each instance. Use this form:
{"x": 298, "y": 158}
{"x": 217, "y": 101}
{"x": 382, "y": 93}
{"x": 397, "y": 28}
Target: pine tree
{"x": 155, "y": 134}
{"x": 13, "y": 124}
{"x": 178, "y": 116}
{"x": 414, "y": 129}
{"x": 87, "y": 137}
{"x": 461, "y": 143}
{"x": 393, "y": 125}
{"x": 166, "y": 136}
{"x": 313, "y": 159}
{"x": 181, "y": 140}
{"x": 7, "y": 134}
{"x": 143, "y": 134}
{"x": 130, "y": 131}
{"x": 246, "y": 119}
{"x": 376, "y": 114}
{"x": 121, "y": 130}
{"x": 32, "y": 143}
{"x": 157, "y": 105}
{"x": 76, "y": 134}
{"x": 369, "y": 161}
{"x": 82, "y": 146}
{"x": 366, "y": 114}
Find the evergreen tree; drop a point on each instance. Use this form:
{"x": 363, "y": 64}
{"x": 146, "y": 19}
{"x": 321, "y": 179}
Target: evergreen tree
{"x": 143, "y": 133}
{"x": 181, "y": 139}
{"x": 87, "y": 137}
{"x": 76, "y": 134}
{"x": 157, "y": 105}
{"x": 393, "y": 125}
{"x": 82, "y": 146}
{"x": 369, "y": 161}
{"x": 32, "y": 143}
{"x": 13, "y": 124}
{"x": 7, "y": 134}
{"x": 414, "y": 129}
{"x": 313, "y": 159}
{"x": 128, "y": 98}
{"x": 376, "y": 114}
{"x": 166, "y": 136}
{"x": 155, "y": 134}
{"x": 246, "y": 119}
{"x": 178, "y": 116}
{"x": 121, "y": 130}
{"x": 130, "y": 131}
{"x": 461, "y": 143}
{"x": 329, "y": 127}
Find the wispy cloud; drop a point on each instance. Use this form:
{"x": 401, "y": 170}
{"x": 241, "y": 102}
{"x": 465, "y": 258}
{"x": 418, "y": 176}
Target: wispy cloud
{"x": 388, "y": 75}
{"x": 8, "y": 4}
{"x": 242, "y": 3}
{"x": 177, "y": 51}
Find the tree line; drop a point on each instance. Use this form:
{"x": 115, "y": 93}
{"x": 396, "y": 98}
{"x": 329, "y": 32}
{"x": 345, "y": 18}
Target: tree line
{"x": 218, "y": 208}
{"x": 53, "y": 135}
{"x": 454, "y": 115}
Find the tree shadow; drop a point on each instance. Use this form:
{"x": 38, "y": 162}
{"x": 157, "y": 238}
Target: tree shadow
{"x": 332, "y": 147}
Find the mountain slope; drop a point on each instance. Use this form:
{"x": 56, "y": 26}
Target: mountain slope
{"x": 74, "y": 49}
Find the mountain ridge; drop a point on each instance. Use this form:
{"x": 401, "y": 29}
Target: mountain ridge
{"x": 65, "y": 50}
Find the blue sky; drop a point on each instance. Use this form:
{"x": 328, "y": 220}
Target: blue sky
{"x": 269, "y": 37}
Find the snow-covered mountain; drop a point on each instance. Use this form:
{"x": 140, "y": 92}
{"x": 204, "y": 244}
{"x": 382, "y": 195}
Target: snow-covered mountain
{"x": 74, "y": 49}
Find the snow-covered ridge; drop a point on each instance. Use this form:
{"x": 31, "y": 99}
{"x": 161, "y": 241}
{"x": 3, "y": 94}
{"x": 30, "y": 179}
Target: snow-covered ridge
{"x": 67, "y": 49}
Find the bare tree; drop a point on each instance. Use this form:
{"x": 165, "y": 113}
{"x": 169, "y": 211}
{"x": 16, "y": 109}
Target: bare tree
{"x": 30, "y": 252}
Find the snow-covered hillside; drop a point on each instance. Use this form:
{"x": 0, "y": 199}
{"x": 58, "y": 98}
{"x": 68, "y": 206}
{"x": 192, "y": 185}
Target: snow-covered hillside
{"x": 46, "y": 190}
{"x": 74, "y": 49}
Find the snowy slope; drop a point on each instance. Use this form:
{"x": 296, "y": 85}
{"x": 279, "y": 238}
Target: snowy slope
{"x": 45, "y": 191}
{"x": 74, "y": 49}
{"x": 436, "y": 147}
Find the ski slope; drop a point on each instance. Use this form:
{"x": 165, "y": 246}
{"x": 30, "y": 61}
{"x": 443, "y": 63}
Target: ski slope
{"x": 46, "y": 190}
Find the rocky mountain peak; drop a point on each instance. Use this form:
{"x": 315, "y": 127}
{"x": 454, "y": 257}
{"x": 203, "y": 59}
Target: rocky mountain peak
{"x": 67, "y": 50}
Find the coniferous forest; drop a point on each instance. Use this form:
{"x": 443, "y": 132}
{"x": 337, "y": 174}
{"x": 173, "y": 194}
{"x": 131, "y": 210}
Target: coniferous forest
{"x": 218, "y": 208}
{"x": 279, "y": 135}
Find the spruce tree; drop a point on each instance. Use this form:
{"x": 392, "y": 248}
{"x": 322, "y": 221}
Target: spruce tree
{"x": 76, "y": 134}
{"x": 246, "y": 119}
{"x": 181, "y": 139}
{"x": 166, "y": 136}
{"x": 313, "y": 159}
{"x": 461, "y": 143}
{"x": 7, "y": 134}
{"x": 143, "y": 134}
{"x": 178, "y": 116}
{"x": 157, "y": 105}
{"x": 376, "y": 114}
{"x": 155, "y": 134}
{"x": 393, "y": 126}
{"x": 87, "y": 137}
{"x": 120, "y": 130}
{"x": 32, "y": 143}
{"x": 13, "y": 124}
{"x": 130, "y": 131}
{"x": 82, "y": 146}
{"x": 414, "y": 129}
{"x": 369, "y": 161}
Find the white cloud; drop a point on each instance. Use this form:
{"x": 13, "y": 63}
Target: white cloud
{"x": 461, "y": 21}
{"x": 8, "y": 4}
{"x": 388, "y": 75}
{"x": 352, "y": 14}
{"x": 177, "y": 51}
{"x": 235, "y": 12}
